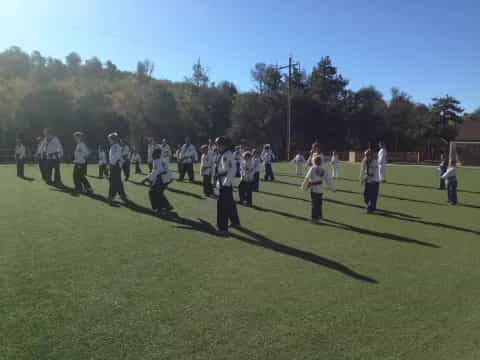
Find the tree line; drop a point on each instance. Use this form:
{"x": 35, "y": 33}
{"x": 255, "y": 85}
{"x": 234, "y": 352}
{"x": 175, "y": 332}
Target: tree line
{"x": 96, "y": 97}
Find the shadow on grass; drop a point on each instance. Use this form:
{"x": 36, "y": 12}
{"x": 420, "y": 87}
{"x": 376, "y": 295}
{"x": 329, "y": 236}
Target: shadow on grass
{"x": 352, "y": 228}
{"x": 415, "y": 186}
{"x": 207, "y": 228}
{"x": 343, "y": 203}
{"x": 255, "y": 239}
{"x": 175, "y": 191}
{"x": 26, "y": 178}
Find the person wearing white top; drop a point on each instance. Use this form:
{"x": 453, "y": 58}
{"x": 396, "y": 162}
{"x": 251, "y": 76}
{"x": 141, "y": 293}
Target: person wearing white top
{"x": 152, "y": 145}
{"x": 126, "y": 159}
{"x": 226, "y": 207}
{"x": 268, "y": 157}
{"x": 211, "y": 147}
{"x": 53, "y": 152}
{"x": 238, "y": 160}
{"x": 450, "y": 177}
{"x": 159, "y": 178}
{"x": 102, "y": 162}
{"x": 382, "y": 163}
{"x": 314, "y": 180}
{"x": 40, "y": 156}
{"x": 79, "y": 165}
{"x": 166, "y": 151}
{"x": 247, "y": 172}
{"x": 115, "y": 160}
{"x": 188, "y": 156}
{"x": 256, "y": 171}
{"x": 334, "y": 163}
{"x": 136, "y": 160}
{"x": 369, "y": 178}
{"x": 20, "y": 154}
{"x": 206, "y": 170}
{"x": 299, "y": 161}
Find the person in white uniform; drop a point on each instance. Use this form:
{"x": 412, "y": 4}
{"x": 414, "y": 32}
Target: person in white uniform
{"x": 115, "y": 160}
{"x": 20, "y": 154}
{"x": 53, "y": 153}
{"x": 206, "y": 170}
{"x": 152, "y": 145}
{"x": 369, "y": 178}
{"x": 136, "y": 160}
{"x": 299, "y": 161}
{"x": 188, "y": 156}
{"x": 334, "y": 164}
{"x": 382, "y": 162}
{"x": 81, "y": 154}
{"x": 226, "y": 207}
{"x": 316, "y": 177}
{"x": 166, "y": 151}
{"x": 125, "y": 159}
{"x": 247, "y": 171}
{"x": 267, "y": 158}
{"x": 159, "y": 178}
{"x": 102, "y": 162}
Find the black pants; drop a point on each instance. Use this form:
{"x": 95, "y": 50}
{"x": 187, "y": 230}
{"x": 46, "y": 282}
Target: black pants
{"x": 256, "y": 182}
{"x": 317, "y": 202}
{"x": 20, "y": 168}
{"x": 102, "y": 170}
{"x": 245, "y": 192}
{"x": 42, "y": 165}
{"x": 126, "y": 169}
{"x": 269, "y": 172}
{"x": 452, "y": 192}
{"x": 80, "y": 178}
{"x": 150, "y": 166}
{"x": 116, "y": 184}
{"x": 138, "y": 170}
{"x": 157, "y": 197}
{"x": 207, "y": 185}
{"x": 187, "y": 168}
{"x": 226, "y": 209}
{"x": 237, "y": 170}
{"x": 370, "y": 196}
{"x": 53, "y": 165}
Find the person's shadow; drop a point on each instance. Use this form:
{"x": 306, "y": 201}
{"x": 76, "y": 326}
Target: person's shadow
{"x": 170, "y": 189}
{"x": 26, "y": 178}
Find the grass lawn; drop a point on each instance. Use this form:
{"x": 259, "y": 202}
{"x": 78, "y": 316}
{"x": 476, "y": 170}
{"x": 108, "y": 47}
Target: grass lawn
{"x": 82, "y": 280}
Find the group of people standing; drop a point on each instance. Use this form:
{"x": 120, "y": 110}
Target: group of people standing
{"x": 220, "y": 164}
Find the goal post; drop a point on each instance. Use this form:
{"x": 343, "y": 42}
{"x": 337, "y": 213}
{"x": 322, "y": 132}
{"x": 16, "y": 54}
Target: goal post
{"x": 466, "y": 153}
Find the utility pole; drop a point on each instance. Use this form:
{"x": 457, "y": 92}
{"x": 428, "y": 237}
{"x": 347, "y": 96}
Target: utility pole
{"x": 289, "y": 105}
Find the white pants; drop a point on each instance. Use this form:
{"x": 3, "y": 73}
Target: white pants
{"x": 334, "y": 170}
{"x": 382, "y": 172}
{"x": 300, "y": 167}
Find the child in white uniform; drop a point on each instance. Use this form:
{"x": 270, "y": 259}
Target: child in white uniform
{"x": 450, "y": 178}
{"x": 299, "y": 161}
{"x": 314, "y": 180}
{"x": 247, "y": 171}
{"x": 206, "y": 170}
{"x": 159, "y": 179}
{"x": 334, "y": 163}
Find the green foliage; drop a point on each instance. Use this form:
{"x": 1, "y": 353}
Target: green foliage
{"x": 96, "y": 97}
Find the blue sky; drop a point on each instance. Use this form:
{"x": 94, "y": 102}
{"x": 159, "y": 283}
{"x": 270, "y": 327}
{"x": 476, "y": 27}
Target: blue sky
{"x": 426, "y": 48}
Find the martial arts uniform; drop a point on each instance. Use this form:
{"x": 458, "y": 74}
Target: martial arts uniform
{"x": 245, "y": 188}
{"x": 299, "y": 161}
{"x": 256, "y": 173}
{"x": 79, "y": 168}
{"x": 450, "y": 177}
{"x": 238, "y": 160}
{"x": 41, "y": 156}
{"x": 150, "y": 148}
{"x": 312, "y": 156}
{"x": 314, "y": 180}
{"x": 115, "y": 160}
{"x": 226, "y": 207}
{"x": 188, "y": 155}
{"x": 369, "y": 177}
{"x": 53, "y": 153}
{"x": 166, "y": 152}
{"x": 20, "y": 154}
{"x": 102, "y": 164}
{"x": 206, "y": 171}
{"x": 442, "y": 169}
{"x": 159, "y": 179}
{"x": 136, "y": 160}
{"x": 126, "y": 161}
{"x": 334, "y": 163}
{"x": 268, "y": 157}
{"x": 382, "y": 165}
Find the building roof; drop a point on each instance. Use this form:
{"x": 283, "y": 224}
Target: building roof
{"x": 469, "y": 131}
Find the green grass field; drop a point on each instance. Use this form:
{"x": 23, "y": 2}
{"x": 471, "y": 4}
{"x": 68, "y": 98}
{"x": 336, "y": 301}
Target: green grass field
{"x": 82, "y": 280}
